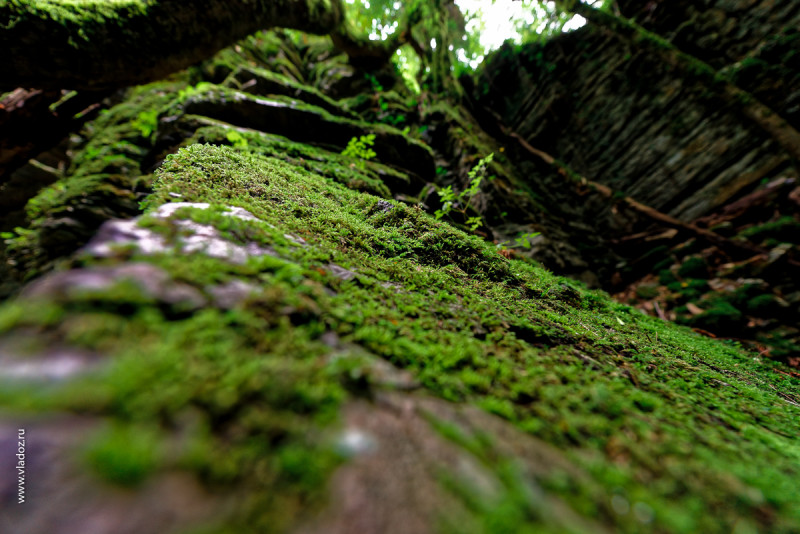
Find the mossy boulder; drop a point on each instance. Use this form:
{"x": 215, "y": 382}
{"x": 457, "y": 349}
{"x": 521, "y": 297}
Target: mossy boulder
{"x": 721, "y": 316}
{"x": 280, "y": 338}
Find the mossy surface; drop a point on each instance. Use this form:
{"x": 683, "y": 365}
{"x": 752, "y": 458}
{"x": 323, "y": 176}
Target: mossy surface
{"x": 306, "y": 123}
{"x": 694, "y": 434}
{"x": 106, "y": 179}
{"x": 662, "y": 430}
{"x": 371, "y": 178}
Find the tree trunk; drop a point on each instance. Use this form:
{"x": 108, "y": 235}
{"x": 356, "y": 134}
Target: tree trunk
{"x": 772, "y": 123}
{"x": 95, "y": 46}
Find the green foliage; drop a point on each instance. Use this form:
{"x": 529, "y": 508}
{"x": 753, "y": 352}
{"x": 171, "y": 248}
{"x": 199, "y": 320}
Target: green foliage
{"x": 722, "y": 317}
{"x": 359, "y": 149}
{"x": 188, "y": 92}
{"x": 408, "y": 64}
{"x": 525, "y": 240}
{"x": 146, "y": 122}
{"x": 376, "y": 85}
{"x": 384, "y": 116}
{"x": 694, "y": 267}
{"x": 461, "y": 202}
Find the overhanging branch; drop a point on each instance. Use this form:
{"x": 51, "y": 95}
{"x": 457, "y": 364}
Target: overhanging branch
{"x": 90, "y": 45}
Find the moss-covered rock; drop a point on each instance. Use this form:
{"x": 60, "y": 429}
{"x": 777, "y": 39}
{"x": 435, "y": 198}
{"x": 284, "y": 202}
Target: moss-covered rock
{"x": 251, "y": 382}
{"x": 308, "y": 124}
{"x": 273, "y": 341}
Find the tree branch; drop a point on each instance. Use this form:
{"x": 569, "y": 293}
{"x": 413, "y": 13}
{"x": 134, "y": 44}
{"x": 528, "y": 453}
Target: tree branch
{"x": 93, "y": 45}
{"x": 651, "y": 213}
{"x": 371, "y": 55}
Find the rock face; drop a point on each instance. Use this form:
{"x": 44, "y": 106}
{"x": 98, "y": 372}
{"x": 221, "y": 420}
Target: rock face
{"x": 230, "y": 329}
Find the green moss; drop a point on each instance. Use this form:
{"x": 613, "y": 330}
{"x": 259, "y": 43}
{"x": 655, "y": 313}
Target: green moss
{"x": 124, "y": 455}
{"x": 763, "y": 305}
{"x": 693, "y": 267}
{"x": 647, "y": 291}
{"x": 106, "y": 180}
{"x": 81, "y": 15}
{"x": 721, "y": 317}
{"x": 688, "y": 290}
{"x": 785, "y": 229}
{"x": 371, "y": 178}
{"x": 253, "y": 390}
{"x": 469, "y": 324}
{"x": 666, "y": 277}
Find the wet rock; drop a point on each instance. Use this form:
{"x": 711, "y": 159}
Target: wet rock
{"x": 231, "y": 294}
{"x": 340, "y": 272}
{"x": 384, "y": 206}
{"x": 52, "y": 365}
{"x": 262, "y": 82}
{"x": 654, "y": 137}
{"x": 63, "y": 497}
{"x": 296, "y": 240}
{"x": 365, "y": 370}
{"x": 310, "y": 124}
{"x": 194, "y": 237}
{"x": 355, "y": 442}
{"x": 120, "y": 233}
{"x": 153, "y": 282}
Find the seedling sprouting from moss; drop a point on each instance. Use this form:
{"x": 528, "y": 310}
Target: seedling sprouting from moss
{"x": 461, "y": 202}
{"x": 359, "y": 149}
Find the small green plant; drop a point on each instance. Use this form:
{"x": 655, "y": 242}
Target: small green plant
{"x": 394, "y": 120}
{"x": 360, "y": 149}
{"x": 373, "y": 81}
{"x": 48, "y": 197}
{"x": 525, "y": 240}
{"x": 461, "y": 202}
{"x": 521, "y": 241}
{"x": 146, "y": 122}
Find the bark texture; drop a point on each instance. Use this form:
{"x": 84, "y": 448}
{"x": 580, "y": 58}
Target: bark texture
{"x": 719, "y": 82}
{"x": 625, "y": 118}
{"x": 98, "y": 45}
